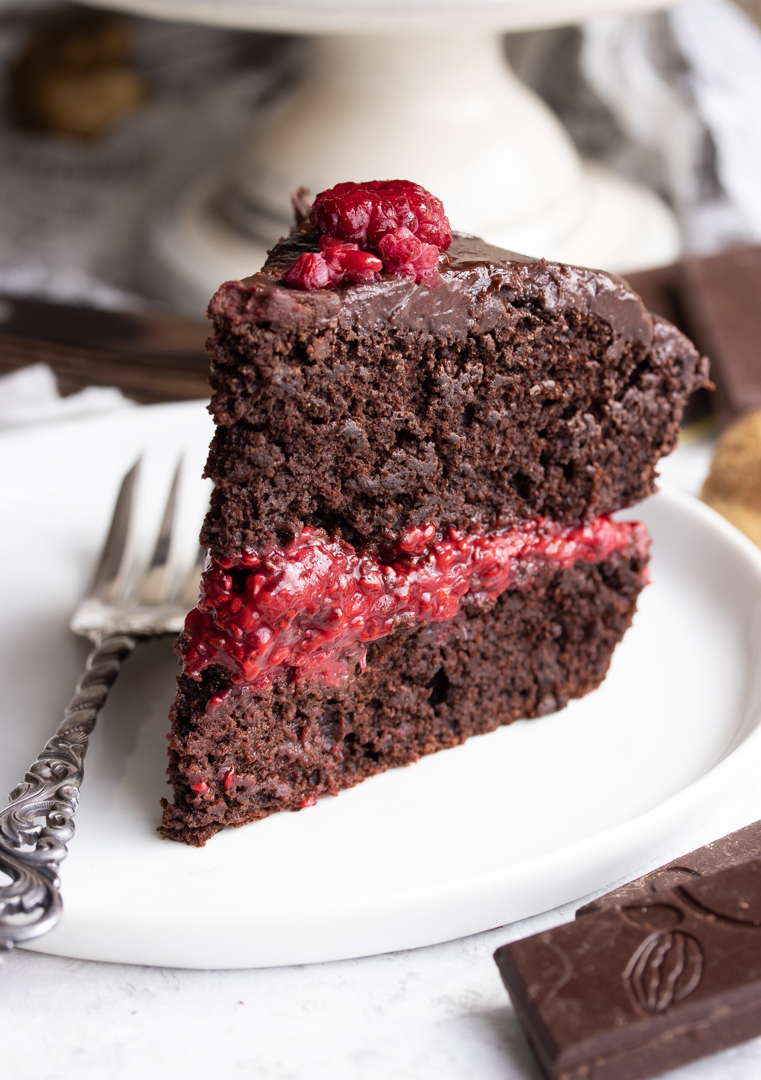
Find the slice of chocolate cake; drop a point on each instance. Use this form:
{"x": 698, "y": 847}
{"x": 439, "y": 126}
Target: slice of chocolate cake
{"x": 418, "y": 448}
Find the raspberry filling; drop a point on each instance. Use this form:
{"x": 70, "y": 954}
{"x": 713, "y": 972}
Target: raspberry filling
{"x": 391, "y": 225}
{"x": 309, "y": 609}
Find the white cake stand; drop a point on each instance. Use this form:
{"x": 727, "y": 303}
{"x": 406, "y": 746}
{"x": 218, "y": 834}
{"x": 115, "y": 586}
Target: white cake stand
{"x": 417, "y": 89}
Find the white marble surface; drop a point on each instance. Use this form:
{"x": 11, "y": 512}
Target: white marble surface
{"x": 431, "y": 1014}
{"x": 438, "y": 1013}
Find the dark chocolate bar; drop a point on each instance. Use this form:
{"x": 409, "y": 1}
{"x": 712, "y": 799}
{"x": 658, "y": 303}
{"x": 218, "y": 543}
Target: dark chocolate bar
{"x": 661, "y": 290}
{"x": 732, "y": 850}
{"x": 631, "y": 991}
{"x": 720, "y": 308}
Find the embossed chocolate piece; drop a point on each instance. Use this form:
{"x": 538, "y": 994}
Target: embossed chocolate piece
{"x": 736, "y": 848}
{"x": 627, "y": 992}
{"x": 735, "y": 896}
{"x": 664, "y": 969}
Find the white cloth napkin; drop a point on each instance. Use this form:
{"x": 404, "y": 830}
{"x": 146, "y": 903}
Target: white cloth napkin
{"x": 684, "y": 87}
{"x": 30, "y": 395}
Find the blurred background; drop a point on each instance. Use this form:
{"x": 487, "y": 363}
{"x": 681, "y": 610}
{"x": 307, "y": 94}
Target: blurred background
{"x": 145, "y": 159}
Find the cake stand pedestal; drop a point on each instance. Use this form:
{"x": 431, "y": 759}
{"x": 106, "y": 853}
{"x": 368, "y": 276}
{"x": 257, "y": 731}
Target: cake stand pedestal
{"x": 421, "y": 93}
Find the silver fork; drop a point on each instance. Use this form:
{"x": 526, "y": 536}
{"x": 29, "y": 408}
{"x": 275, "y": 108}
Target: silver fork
{"x": 122, "y": 607}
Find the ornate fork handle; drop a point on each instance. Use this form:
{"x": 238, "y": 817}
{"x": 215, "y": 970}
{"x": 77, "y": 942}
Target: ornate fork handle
{"x": 38, "y": 822}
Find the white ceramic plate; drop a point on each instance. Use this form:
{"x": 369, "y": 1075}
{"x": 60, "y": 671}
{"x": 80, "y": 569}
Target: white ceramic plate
{"x": 507, "y": 825}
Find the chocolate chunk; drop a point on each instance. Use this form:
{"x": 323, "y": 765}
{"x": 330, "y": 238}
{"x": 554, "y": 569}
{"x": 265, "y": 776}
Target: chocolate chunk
{"x": 661, "y": 292}
{"x": 732, "y": 850}
{"x": 631, "y": 991}
{"x": 721, "y": 313}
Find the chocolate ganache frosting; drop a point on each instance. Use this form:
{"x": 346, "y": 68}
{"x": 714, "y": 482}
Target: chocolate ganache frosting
{"x": 477, "y": 280}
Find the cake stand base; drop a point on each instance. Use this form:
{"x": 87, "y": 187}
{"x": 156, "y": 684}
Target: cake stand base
{"x": 619, "y": 227}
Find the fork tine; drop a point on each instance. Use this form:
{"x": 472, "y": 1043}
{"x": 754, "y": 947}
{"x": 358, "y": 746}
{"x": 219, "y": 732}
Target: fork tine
{"x": 188, "y": 589}
{"x": 190, "y": 586}
{"x": 157, "y": 581}
{"x": 107, "y": 580}
{"x": 164, "y": 539}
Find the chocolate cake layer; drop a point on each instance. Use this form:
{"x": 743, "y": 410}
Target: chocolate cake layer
{"x": 515, "y": 389}
{"x": 423, "y": 690}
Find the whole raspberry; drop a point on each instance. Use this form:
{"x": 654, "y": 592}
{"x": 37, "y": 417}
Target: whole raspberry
{"x": 367, "y": 213}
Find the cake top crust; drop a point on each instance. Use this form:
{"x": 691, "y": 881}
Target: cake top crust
{"x": 477, "y": 279}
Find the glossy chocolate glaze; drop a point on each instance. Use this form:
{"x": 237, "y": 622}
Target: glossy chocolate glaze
{"x": 476, "y": 280}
